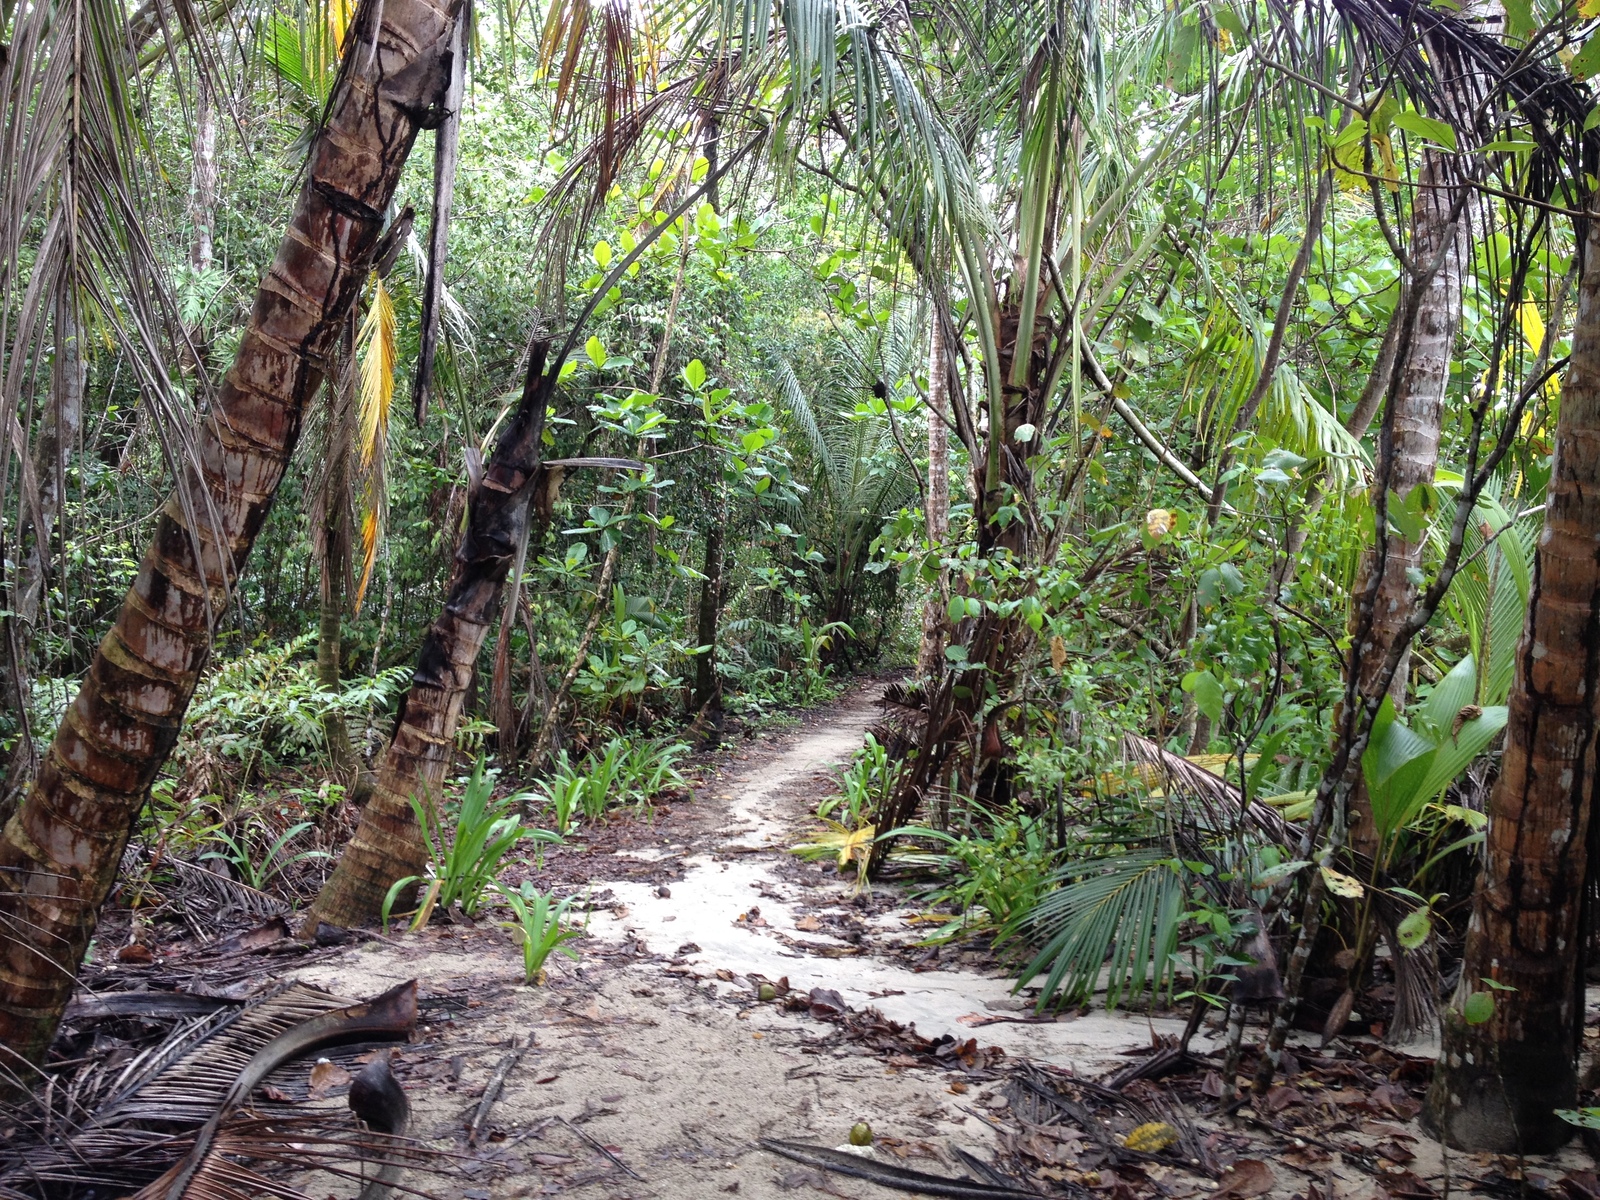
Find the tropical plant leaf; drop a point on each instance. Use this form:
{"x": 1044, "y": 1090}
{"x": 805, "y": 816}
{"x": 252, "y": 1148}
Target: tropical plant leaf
{"x": 1120, "y": 915}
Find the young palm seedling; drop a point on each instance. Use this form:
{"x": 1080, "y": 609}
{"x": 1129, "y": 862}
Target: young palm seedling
{"x": 539, "y": 927}
{"x": 277, "y": 860}
{"x": 486, "y": 830}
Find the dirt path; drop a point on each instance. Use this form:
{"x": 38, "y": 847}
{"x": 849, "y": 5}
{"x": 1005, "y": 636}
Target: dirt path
{"x": 655, "y": 1043}
{"x": 652, "y": 1067}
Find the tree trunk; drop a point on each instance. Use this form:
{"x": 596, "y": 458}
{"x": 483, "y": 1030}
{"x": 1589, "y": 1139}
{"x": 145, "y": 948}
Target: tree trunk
{"x": 1497, "y": 1083}
{"x": 930, "y": 657}
{"x": 203, "y": 177}
{"x": 388, "y": 843}
{"x": 63, "y": 423}
{"x": 1418, "y": 412}
{"x": 707, "y": 686}
{"x": 59, "y": 853}
{"x": 334, "y": 551}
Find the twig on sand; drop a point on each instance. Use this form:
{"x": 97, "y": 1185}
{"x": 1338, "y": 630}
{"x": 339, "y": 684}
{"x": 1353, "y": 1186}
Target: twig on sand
{"x": 491, "y": 1093}
{"x": 598, "y": 1146}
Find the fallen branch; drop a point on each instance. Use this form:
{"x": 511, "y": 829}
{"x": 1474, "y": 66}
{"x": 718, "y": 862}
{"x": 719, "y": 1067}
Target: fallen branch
{"x": 491, "y": 1093}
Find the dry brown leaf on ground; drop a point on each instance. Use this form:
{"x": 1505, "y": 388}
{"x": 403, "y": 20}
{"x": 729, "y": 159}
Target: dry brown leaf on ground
{"x": 1245, "y": 1180}
{"x": 326, "y": 1075}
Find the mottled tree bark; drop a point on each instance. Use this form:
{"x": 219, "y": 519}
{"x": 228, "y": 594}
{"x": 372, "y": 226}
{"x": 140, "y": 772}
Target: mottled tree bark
{"x": 1497, "y": 1083}
{"x": 1418, "y": 413}
{"x": 59, "y": 853}
{"x": 388, "y": 844}
{"x": 332, "y": 542}
{"x": 203, "y": 177}
{"x": 930, "y": 656}
{"x": 62, "y": 426}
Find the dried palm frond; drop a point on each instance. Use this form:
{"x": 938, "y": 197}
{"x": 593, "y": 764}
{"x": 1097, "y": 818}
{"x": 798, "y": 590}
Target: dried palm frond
{"x": 1212, "y": 801}
{"x": 224, "y": 894}
{"x": 182, "y": 1100}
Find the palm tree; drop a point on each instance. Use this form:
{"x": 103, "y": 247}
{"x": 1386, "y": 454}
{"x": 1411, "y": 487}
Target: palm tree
{"x": 859, "y": 472}
{"x": 1508, "y": 1056}
{"x": 1418, "y": 404}
{"x": 59, "y": 854}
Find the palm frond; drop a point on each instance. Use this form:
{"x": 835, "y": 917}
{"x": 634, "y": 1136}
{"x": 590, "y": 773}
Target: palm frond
{"x": 377, "y": 354}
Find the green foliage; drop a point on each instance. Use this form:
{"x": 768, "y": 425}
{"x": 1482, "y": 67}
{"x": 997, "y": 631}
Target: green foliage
{"x": 265, "y": 708}
{"x": 261, "y": 870}
{"x": 615, "y": 775}
{"x": 1000, "y": 875}
{"x": 467, "y": 857}
{"x": 1408, "y": 766}
{"x": 539, "y": 927}
{"x": 864, "y": 786}
{"x": 1120, "y": 914}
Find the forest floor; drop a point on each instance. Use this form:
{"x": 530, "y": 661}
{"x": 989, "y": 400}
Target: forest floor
{"x": 650, "y": 1067}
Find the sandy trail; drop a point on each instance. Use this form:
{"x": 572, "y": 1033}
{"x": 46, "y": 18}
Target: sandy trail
{"x": 655, "y": 1044}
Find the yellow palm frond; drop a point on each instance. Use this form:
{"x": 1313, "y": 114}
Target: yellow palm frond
{"x": 377, "y": 351}
{"x": 369, "y": 552}
{"x": 375, "y": 394}
{"x": 339, "y": 15}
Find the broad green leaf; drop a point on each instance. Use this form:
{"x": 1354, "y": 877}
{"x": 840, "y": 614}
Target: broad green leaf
{"x": 1207, "y": 693}
{"x": 1450, "y": 695}
{"x": 602, "y": 253}
{"x": 1586, "y": 62}
{"x": 1456, "y": 751}
{"x": 695, "y": 374}
{"x": 596, "y": 351}
{"x": 1479, "y": 1008}
{"x": 1396, "y": 762}
{"x": 1426, "y": 127}
{"x": 1415, "y": 928}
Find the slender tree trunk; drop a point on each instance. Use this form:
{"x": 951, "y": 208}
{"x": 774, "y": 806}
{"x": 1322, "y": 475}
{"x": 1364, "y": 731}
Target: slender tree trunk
{"x": 203, "y": 177}
{"x": 707, "y": 686}
{"x": 388, "y": 843}
{"x": 63, "y": 423}
{"x": 59, "y": 853}
{"x": 334, "y": 546}
{"x": 1418, "y": 414}
{"x": 1497, "y": 1083}
{"x": 930, "y": 657}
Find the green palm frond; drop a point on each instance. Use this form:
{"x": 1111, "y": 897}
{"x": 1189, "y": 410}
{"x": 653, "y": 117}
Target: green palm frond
{"x": 1111, "y": 921}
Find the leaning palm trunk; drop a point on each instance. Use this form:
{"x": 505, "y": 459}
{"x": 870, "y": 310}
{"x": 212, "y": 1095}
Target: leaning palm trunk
{"x": 388, "y": 843}
{"x": 1498, "y": 1082}
{"x": 59, "y": 853}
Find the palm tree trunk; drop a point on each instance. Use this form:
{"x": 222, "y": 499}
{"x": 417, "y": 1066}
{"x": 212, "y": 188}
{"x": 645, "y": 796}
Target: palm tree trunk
{"x": 930, "y": 656}
{"x": 1497, "y": 1083}
{"x": 59, "y": 853}
{"x": 388, "y": 843}
{"x": 1418, "y": 412}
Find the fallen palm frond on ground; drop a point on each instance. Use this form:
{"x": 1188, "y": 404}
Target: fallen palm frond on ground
{"x": 207, "y": 1111}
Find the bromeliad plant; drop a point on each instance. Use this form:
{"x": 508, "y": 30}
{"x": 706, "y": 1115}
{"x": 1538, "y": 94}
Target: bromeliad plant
{"x": 465, "y": 862}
